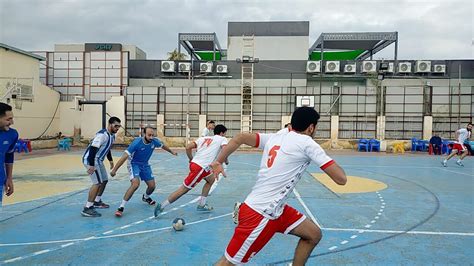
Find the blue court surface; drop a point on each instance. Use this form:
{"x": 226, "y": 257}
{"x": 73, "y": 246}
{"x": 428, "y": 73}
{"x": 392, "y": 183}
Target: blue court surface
{"x": 423, "y": 214}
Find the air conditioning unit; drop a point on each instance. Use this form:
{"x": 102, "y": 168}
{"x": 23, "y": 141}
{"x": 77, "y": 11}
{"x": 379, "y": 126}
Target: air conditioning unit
{"x": 423, "y": 66}
{"x": 404, "y": 67}
{"x": 333, "y": 66}
{"x": 167, "y": 66}
{"x": 390, "y": 68}
{"x": 205, "y": 67}
{"x": 184, "y": 67}
{"x": 369, "y": 66}
{"x": 439, "y": 69}
{"x": 313, "y": 66}
{"x": 350, "y": 68}
{"x": 221, "y": 69}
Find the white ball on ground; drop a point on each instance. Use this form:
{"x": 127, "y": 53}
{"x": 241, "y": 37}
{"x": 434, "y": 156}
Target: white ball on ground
{"x": 178, "y": 224}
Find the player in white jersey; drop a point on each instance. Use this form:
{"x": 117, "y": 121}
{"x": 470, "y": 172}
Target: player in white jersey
{"x": 462, "y": 135}
{"x": 286, "y": 155}
{"x": 199, "y": 168}
{"x": 93, "y": 160}
{"x": 207, "y": 131}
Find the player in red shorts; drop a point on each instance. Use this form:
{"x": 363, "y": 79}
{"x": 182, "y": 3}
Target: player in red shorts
{"x": 207, "y": 150}
{"x": 462, "y": 135}
{"x": 286, "y": 155}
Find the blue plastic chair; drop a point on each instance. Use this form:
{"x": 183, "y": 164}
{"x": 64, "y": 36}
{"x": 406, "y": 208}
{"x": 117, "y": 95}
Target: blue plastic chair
{"x": 20, "y": 146}
{"x": 374, "y": 144}
{"x": 363, "y": 143}
{"x": 445, "y": 149}
{"x": 417, "y": 144}
{"x": 64, "y": 144}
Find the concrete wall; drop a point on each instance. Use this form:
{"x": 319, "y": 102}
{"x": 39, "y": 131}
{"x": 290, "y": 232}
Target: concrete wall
{"x": 271, "y": 47}
{"x": 34, "y": 117}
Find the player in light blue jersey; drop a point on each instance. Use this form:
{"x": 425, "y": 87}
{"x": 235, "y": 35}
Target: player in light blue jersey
{"x": 8, "y": 139}
{"x": 93, "y": 160}
{"x": 138, "y": 154}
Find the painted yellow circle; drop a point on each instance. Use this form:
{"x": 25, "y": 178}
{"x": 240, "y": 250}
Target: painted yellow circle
{"x": 355, "y": 184}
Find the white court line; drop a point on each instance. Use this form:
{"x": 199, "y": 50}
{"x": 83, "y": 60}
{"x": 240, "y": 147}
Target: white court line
{"x": 111, "y": 236}
{"x": 298, "y": 196}
{"x": 398, "y": 232}
{"x": 444, "y": 168}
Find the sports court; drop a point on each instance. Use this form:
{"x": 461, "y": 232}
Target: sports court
{"x": 395, "y": 209}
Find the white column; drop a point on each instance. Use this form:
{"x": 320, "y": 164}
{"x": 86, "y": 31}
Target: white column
{"x": 381, "y": 127}
{"x": 334, "y": 127}
{"x": 160, "y": 124}
{"x": 427, "y": 127}
{"x": 285, "y": 119}
{"x": 202, "y": 123}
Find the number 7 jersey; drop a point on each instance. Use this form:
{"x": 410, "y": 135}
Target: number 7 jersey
{"x": 286, "y": 155}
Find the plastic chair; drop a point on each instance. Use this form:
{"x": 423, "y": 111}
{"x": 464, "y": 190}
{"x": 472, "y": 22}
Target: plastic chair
{"x": 363, "y": 144}
{"x": 399, "y": 147}
{"x": 445, "y": 149}
{"x": 20, "y": 146}
{"x": 416, "y": 144}
{"x": 374, "y": 144}
{"x": 64, "y": 144}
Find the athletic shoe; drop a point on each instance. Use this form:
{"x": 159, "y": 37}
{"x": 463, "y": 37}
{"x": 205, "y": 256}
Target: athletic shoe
{"x": 445, "y": 164}
{"x": 119, "y": 212}
{"x": 90, "y": 212}
{"x": 459, "y": 163}
{"x": 158, "y": 209}
{"x": 148, "y": 200}
{"x": 101, "y": 205}
{"x": 205, "y": 208}
{"x": 235, "y": 214}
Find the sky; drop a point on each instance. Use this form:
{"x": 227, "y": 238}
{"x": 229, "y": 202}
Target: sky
{"x": 428, "y": 29}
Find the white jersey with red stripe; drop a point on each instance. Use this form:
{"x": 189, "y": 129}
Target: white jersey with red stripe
{"x": 286, "y": 155}
{"x": 464, "y": 135}
{"x": 207, "y": 149}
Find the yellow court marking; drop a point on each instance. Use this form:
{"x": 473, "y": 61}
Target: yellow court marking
{"x": 354, "y": 184}
{"x": 54, "y": 164}
{"x": 48, "y": 176}
{"x": 31, "y": 190}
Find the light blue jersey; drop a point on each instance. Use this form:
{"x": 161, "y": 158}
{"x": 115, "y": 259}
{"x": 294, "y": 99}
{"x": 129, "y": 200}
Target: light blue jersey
{"x": 140, "y": 153}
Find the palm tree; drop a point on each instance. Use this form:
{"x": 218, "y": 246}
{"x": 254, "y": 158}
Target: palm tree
{"x": 175, "y": 55}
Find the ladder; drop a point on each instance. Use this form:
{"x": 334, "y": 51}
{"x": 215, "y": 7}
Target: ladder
{"x": 248, "y": 50}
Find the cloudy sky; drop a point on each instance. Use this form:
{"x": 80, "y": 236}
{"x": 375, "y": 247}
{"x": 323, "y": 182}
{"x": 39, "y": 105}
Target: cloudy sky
{"x": 428, "y": 29}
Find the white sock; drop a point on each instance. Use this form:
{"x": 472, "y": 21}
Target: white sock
{"x": 445, "y": 161}
{"x": 97, "y": 199}
{"x": 123, "y": 203}
{"x": 146, "y": 196}
{"x": 202, "y": 200}
{"x": 88, "y": 204}
{"x": 459, "y": 160}
{"x": 165, "y": 203}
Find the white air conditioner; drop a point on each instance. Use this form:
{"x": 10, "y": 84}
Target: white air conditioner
{"x": 423, "y": 66}
{"x": 333, "y": 66}
{"x": 369, "y": 66}
{"x": 439, "y": 69}
{"x": 167, "y": 66}
{"x": 205, "y": 67}
{"x": 404, "y": 67}
{"x": 390, "y": 68}
{"x": 184, "y": 67}
{"x": 350, "y": 68}
{"x": 221, "y": 69}
{"x": 313, "y": 66}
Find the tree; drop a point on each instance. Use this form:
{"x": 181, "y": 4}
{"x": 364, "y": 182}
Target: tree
{"x": 175, "y": 55}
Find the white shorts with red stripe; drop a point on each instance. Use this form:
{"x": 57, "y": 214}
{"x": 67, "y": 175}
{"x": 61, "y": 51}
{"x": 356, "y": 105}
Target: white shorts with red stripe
{"x": 196, "y": 174}
{"x": 254, "y": 231}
